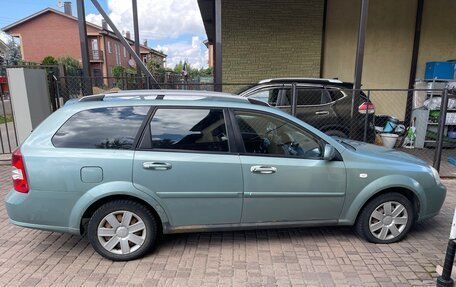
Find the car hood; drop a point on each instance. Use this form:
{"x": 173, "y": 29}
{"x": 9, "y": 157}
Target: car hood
{"x": 372, "y": 150}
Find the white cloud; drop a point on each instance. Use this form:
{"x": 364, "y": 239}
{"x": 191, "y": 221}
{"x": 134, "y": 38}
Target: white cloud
{"x": 158, "y": 19}
{"x": 193, "y": 52}
{"x": 163, "y": 19}
{"x": 94, "y": 18}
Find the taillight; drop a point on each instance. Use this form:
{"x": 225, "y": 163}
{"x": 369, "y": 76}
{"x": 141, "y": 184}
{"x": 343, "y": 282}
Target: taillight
{"x": 366, "y": 107}
{"x": 18, "y": 174}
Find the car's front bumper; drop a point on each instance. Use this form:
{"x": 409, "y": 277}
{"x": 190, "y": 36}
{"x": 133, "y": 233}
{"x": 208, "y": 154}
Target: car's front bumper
{"x": 435, "y": 199}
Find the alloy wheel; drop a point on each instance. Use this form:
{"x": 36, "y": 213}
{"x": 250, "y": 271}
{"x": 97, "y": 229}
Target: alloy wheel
{"x": 121, "y": 232}
{"x": 388, "y": 220}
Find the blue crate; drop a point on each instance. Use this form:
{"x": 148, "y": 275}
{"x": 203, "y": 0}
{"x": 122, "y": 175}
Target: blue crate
{"x": 440, "y": 70}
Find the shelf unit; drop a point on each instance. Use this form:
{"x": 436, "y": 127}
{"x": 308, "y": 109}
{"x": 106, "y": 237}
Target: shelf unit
{"x": 422, "y": 123}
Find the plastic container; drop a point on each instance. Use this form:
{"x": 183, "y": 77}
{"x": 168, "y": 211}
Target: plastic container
{"x": 390, "y": 125}
{"x": 389, "y": 140}
{"x": 439, "y": 70}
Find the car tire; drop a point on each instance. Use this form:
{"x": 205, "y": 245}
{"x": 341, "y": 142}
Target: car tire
{"x": 122, "y": 230}
{"x": 336, "y": 133}
{"x": 385, "y": 219}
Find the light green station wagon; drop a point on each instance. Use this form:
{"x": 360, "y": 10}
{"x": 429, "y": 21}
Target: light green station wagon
{"x": 124, "y": 168}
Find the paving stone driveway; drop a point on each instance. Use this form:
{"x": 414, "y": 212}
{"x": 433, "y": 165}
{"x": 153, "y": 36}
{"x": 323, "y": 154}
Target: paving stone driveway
{"x": 282, "y": 257}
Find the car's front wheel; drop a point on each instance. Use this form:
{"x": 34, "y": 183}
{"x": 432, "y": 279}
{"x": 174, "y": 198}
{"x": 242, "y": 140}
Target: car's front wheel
{"x": 385, "y": 219}
{"x": 122, "y": 230}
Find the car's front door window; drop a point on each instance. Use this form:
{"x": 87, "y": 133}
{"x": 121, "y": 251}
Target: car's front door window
{"x": 265, "y": 134}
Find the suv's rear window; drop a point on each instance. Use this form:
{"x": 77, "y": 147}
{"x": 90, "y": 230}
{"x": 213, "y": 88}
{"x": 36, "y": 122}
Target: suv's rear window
{"x": 101, "y": 128}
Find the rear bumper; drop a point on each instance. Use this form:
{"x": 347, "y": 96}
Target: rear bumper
{"x": 37, "y": 212}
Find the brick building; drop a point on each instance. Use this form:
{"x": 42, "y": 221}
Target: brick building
{"x": 261, "y": 39}
{"x": 53, "y": 33}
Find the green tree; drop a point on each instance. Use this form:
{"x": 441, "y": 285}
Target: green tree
{"x": 13, "y": 53}
{"x": 117, "y": 71}
{"x": 49, "y": 60}
{"x": 72, "y": 66}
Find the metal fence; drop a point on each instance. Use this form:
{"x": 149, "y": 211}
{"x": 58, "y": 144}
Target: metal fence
{"x": 426, "y": 128}
{"x": 379, "y": 116}
{"x": 8, "y": 138}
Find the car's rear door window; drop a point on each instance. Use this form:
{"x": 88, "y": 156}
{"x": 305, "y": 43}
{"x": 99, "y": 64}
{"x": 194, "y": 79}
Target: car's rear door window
{"x": 101, "y": 128}
{"x": 312, "y": 96}
{"x": 198, "y": 129}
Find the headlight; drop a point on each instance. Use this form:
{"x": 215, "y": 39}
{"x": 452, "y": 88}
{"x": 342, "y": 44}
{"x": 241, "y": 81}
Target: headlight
{"x": 436, "y": 175}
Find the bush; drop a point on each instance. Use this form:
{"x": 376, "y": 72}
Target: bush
{"x": 49, "y": 60}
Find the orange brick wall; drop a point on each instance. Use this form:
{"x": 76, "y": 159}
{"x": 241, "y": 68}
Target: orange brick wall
{"x": 49, "y": 34}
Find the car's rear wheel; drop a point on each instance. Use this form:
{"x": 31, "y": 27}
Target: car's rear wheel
{"x": 386, "y": 219}
{"x": 122, "y": 230}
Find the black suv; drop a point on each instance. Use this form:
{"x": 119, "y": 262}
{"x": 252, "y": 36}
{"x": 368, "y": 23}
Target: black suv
{"x": 324, "y": 103}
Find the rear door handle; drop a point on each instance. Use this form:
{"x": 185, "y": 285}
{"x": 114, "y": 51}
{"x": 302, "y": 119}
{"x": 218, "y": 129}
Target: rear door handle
{"x": 263, "y": 169}
{"x": 157, "y": 165}
{"x": 322, "y": 113}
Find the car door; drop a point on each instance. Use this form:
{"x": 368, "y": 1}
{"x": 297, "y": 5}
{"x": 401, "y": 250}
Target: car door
{"x": 185, "y": 161}
{"x": 285, "y": 177}
{"x": 314, "y": 106}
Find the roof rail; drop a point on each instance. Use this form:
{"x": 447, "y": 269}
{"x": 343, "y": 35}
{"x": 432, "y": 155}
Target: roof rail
{"x": 172, "y": 95}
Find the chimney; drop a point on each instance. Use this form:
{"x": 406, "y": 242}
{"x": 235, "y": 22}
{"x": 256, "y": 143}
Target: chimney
{"x": 67, "y": 8}
{"x": 104, "y": 25}
{"x": 145, "y": 43}
{"x": 127, "y": 35}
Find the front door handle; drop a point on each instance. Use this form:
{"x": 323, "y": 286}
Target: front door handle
{"x": 157, "y": 165}
{"x": 263, "y": 169}
{"x": 322, "y": 113}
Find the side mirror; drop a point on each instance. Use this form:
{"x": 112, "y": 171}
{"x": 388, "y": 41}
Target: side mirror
{"x": 329, "y": 152}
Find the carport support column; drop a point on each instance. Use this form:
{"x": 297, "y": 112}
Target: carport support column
{"x": 136, "y": 31}
{"x": 359, "y": 58}
{"x": 218, "y": 46}
{"x": 360, "y": 46}
{"x": 86, "y": 83}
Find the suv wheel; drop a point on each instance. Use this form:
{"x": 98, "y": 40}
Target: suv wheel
{"x": 122, "y": 230}
{"x": 386, "y": 219}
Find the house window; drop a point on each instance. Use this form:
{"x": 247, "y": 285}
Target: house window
{"x": 145, "y": 59}
{"x": 109, "y": 47}
{"x": 125, "y": 52}
{"x": 117, "y": 54}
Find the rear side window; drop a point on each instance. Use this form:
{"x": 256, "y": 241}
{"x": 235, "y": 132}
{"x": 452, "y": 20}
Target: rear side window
{"x": 102, "y": 128}
{"x": 189, "y": 129}
{"x": 312, "y": 97}
{"x": 335, "y": 94}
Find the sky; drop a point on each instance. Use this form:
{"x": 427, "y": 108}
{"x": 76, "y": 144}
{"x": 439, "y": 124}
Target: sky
{"x": 174, "y": 27}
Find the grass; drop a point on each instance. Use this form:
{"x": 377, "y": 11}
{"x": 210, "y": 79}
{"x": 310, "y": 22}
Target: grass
{"x": 8, "y": 118}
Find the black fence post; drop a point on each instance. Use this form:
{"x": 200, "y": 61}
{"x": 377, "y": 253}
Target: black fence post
{"x": 445, "y": 279}
{"x": 366, "y": 116}
{"x": 441, "y": 130}
{"x": 294, "y": 100}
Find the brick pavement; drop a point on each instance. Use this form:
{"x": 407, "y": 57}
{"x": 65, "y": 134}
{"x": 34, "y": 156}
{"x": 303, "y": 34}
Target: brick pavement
{"x": 329, "y": 256}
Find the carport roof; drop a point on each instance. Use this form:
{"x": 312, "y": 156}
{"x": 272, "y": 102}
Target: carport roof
{"x": 207, "y": 8}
